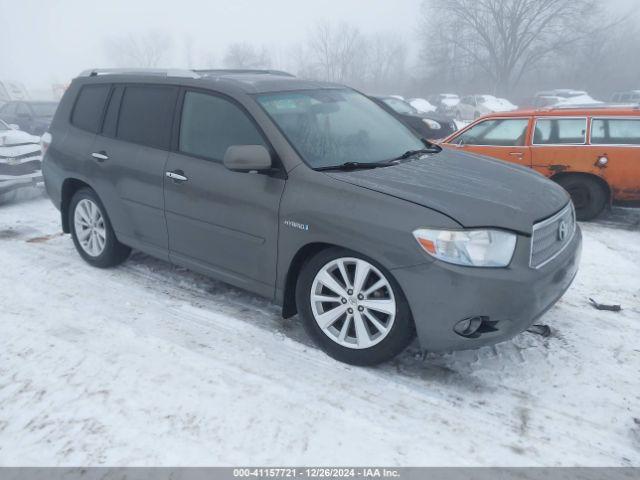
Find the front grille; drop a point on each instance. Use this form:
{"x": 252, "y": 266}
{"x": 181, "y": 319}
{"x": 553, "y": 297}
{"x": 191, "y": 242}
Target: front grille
{"x": 551, "y": 236}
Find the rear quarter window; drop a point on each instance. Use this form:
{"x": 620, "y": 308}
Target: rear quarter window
{"x": 146, "y": 115}
{"x": 87, "y": 112}
{"x": 615, "y": 131}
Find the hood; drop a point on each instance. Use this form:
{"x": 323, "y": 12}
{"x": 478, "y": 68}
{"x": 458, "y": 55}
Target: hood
{"x": 475, "y": 191}
{"x": 10, "y": 138}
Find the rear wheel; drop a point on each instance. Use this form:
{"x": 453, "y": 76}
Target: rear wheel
{"x": 353, "y": 308}
{"x": 589, "y": 197}
{"x": 92, "y": 233}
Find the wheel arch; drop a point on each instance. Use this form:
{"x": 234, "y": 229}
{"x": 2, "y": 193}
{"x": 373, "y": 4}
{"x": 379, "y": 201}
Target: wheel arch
{"x": 69, "y": 187}
{"x": 601, "y": 181}
{"x": 303, "y": 254}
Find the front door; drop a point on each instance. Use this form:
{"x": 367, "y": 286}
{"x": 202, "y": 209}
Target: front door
{"x": 220, "y": 222}
{"x": 501, "y": 138}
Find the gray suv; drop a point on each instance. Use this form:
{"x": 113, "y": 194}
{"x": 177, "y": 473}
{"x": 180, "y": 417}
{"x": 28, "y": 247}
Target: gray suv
{"x": 312, "y": 195}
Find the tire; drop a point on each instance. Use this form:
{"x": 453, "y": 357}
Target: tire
{"x": 344, "y": 338}
{"x": 109, "y": 252}
{"x": 588, "y": 195}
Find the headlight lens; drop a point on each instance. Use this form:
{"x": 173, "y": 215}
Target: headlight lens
{"x": 432, "y": 124}
{"x": 471, "y": 248}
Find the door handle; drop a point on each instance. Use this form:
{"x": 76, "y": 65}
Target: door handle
{"x": 516, "y": 154}
{"x": 100, "y": 156}
{"x": 177, "y": 176}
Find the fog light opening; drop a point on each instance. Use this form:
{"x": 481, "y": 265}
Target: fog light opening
{"x": 473, "y": 327}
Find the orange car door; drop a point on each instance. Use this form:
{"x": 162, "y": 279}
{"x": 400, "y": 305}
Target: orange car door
{"x": 501, "y": 138}
{"x": 615, "y": 151}
{"x": 560, "y": 144}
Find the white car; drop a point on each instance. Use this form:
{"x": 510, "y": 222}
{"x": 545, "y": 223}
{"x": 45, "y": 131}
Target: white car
{"x": 422, "y": 105}
{"x": 472, "y": 107}
{"x": 20, "y": 160}
{"x": 445, "y": 103}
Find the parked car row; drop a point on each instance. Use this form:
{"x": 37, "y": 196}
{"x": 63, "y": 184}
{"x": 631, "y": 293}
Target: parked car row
{"x": 33, "y": 117}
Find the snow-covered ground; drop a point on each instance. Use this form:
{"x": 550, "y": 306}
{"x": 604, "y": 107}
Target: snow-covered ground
{"x": 150, "y": 364}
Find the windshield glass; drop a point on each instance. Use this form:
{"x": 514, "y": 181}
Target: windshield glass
{"x": 44, "y": 109}
{"x": 399, "y": 106}
{"x": 3, "y": 126}
{"x": 334, "y": 126}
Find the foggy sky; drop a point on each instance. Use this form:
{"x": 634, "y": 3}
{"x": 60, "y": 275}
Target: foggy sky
{"x": 51, "y": 41}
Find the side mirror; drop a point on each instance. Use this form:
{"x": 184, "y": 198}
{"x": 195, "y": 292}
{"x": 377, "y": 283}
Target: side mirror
{"x": 14, "y": 126}
{"x": 247, "y": 158}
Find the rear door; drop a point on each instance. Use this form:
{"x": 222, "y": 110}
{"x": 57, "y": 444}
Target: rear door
{"x": 560, "y": 144}
{"x": 128, "y": 163}
{"x": 617, "y": 139}
{"x": 501, "y": 138}
{"x": 221, "y": 222}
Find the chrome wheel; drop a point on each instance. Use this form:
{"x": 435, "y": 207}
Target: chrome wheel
{"x": 353, "y": 303}
{"x": 90, "y": 228}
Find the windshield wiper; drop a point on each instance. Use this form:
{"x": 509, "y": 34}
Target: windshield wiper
{"x": 356, "y": 165}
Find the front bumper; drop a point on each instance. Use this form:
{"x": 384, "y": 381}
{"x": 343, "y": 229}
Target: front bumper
{"x": 440, "y": 295}
{"x": 21, "y": 170}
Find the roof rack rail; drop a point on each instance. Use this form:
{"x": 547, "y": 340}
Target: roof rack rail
{"x": 162, "y": 72}
{"x": 176, "y": 72}
{"x": 236, "y": 71}
{"x": 594, "y": 106}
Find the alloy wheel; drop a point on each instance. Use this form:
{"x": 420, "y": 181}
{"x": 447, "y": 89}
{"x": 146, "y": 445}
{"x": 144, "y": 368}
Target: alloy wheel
{"x": 90, "y": 228}
{"x": 353, "y": 303}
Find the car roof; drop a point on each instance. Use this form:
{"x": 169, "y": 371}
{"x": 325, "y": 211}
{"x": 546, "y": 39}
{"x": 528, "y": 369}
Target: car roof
{"x": 248, "y": 81}
{"x": 594, "y": 110}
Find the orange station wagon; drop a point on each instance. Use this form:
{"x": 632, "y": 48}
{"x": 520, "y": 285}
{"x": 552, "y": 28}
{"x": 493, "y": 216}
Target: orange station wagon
{"x": 594, "y": 152}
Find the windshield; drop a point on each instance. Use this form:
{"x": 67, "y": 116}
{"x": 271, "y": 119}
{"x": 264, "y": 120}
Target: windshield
{"x": 3, "y": 126}
{"x": 334, "y": 126}
{"x": 44, "y": 109}
{"x": 399, "y": 105}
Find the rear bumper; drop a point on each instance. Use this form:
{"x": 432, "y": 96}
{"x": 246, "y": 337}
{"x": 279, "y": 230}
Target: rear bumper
{"x": 440, "y": 295}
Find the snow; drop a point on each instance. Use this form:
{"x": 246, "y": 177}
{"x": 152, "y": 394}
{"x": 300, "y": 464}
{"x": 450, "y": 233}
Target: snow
{"x": 495, "y": 104}
{"x": 422, "y": 105}
{"x": 578, "y": 100}
{"x": 149, "y": 364}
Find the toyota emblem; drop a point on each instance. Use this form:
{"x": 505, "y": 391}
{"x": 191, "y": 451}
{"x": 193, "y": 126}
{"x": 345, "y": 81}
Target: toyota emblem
{"x": 563, "y": 229}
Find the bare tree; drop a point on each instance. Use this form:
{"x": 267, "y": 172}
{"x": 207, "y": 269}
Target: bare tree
{"x": 145, "y": 50}
{"x": 244, "y": 55}
{"x": 386, "y": 56}
{"x": 336, "y": 52}
{"x": 506, "y": 38}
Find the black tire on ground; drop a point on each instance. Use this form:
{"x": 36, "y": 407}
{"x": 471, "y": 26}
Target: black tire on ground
{"x": 588, "y": 195}
{"x": 114, "y": 252}
{"x": 399, "y": 337}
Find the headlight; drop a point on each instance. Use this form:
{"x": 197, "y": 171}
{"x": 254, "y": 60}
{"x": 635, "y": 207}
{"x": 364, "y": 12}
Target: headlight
{"x": 471, "y": 248}
{"x": 432, "y": 124}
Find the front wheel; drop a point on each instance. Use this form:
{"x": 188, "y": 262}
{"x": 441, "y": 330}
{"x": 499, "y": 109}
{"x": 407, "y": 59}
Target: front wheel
{"x": 92, "y": 233}
{"x": 353, "y": 308}
{"x": 589, "y": 197}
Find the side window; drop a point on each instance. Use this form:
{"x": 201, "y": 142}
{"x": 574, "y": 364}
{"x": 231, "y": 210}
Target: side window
{"x": 499, "y": 132}
{"x": 8, "y": 109}
{"x": 560, "y": 131}
{"x": 211, "y": 124}
{"x": 87, "y": 113}
{"x": 615, "y": 131}
{"x": 146, "y": 115}
{"x": 111, "y": 117}
{"x": 23, "y": 111}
